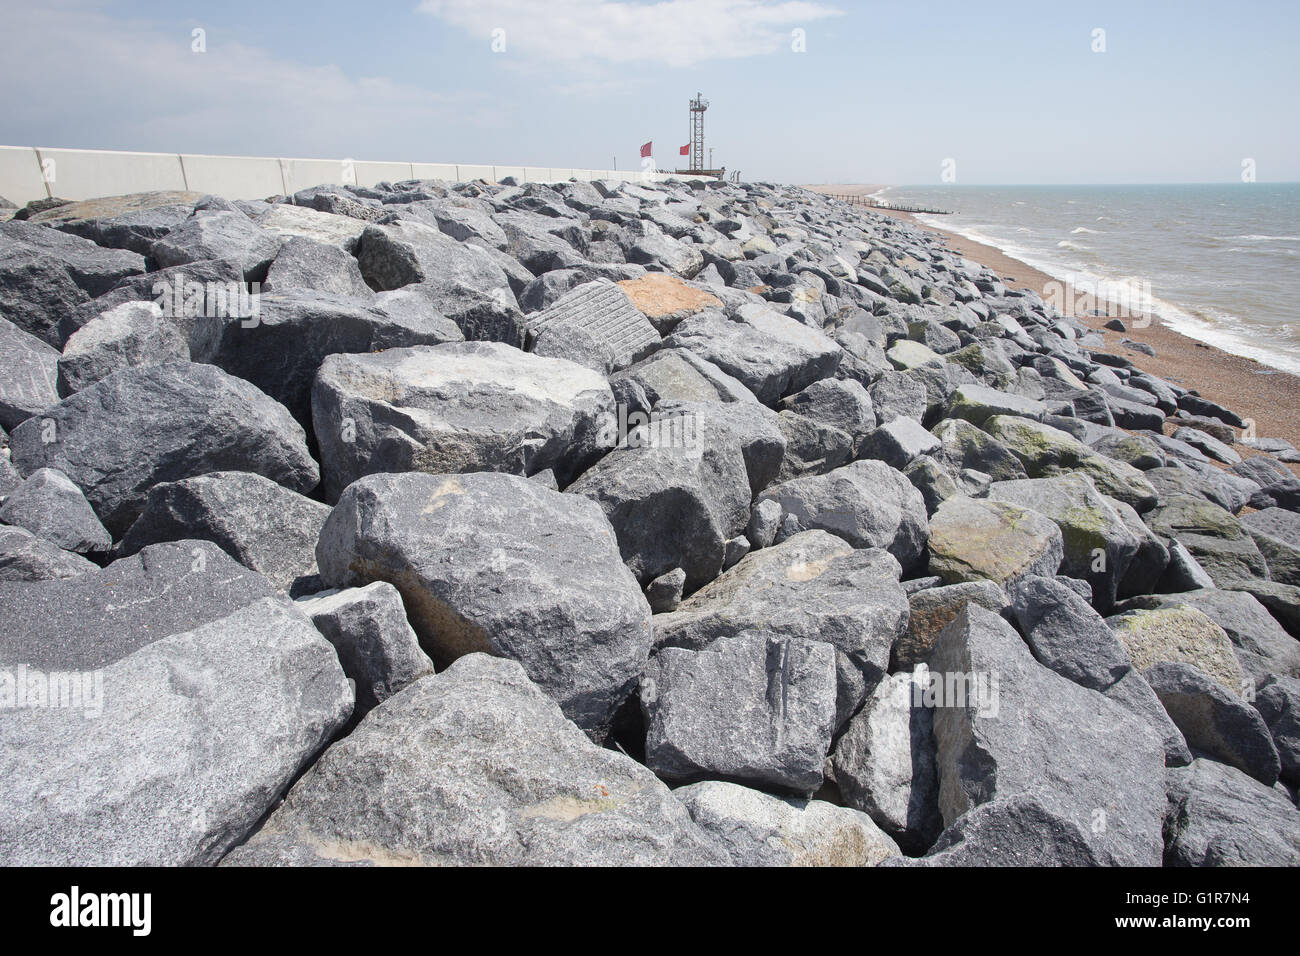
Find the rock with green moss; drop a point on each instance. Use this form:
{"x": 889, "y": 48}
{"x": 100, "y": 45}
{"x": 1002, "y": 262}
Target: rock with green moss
{"x": 972, "y": 539}
{"x": 1099, "y": 547}
{"x": 1262, "y": 646}
{"x": 1181, "y": 635}
{"x": 1046, "y": 451}
{"x": 1136, "y": 450}
{"x": 978, "y": 403}
{"x": 1213, "y": 537}
{"x": 986, "y": 361}
{"x": 966, "y": 446}
{"x": 933, "y": 336}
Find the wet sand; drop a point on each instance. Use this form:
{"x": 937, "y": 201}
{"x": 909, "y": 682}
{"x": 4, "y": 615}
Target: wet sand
{"x": 1253, "y": 390}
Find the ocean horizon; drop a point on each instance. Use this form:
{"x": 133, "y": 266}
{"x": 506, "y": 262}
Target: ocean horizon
{"x": 1217, "y": 262}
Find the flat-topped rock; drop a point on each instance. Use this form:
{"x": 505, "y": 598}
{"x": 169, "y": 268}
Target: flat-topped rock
{"x": 500, "y": 564}
{"x": 601, "y": 310}
{"x": 973, "y": 539}
{"x": 460, "y": 407}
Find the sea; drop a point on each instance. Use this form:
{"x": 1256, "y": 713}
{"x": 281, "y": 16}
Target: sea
{"x": 1218, "y": 263}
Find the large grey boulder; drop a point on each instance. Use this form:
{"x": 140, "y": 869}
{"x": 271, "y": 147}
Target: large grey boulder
{"x": 1278, "y": 701}
{"x": 1067, "y": 635}
{"x": 1277, "y": 535}
{"x": 1099, "y": 546}
{"x": 1133, "y": 692}
{"x": 328, "y": 219}
{"x": 1214, "y": 722}
{"x": 1214, "y": 538}
{"x": 141, "y": 426}
{"x": 771, "y": 354}
{"x": 482, "y": 315}
{"x": 1152, "y": 560}
{"x": 375, "y": 643}
{"x": 45, "y": 273}
{"x": 753, "y": 708}
{"x": 184, "y": 293}
{"x": 1023, "y": 728}
{"x": 461, "y": 407}
{"x": 867, "y": 503}
{"x": 677, "y": 492}
{"x": 476, "y": 766}
{"x": 974, "y": 539}
{"x": 29, "y": 370}
{"x": 131, "y": 222}
{"x": 885, "y": 763}
{"x": 897, "y": 395}
{"x": 221, "y": 234}
{"x": 654, "y": 248}
{"x": 813, "y": 586}
{"x": 262, "y": 525}
{"x": 49, "y": 505}
{"x": 1278, "y": 485}
{"x": 842, "y": 404}
{"x": 281, "y": 348}
{"x": 1025, "y": 829}
{"x": 1203, "y": 480}
{"x": 304, "y": 263}
{"x": 932, "y": 480}
{"x": 405, "y": 252}
{"x": 183, "y": 747}
{"x": 128, "y": 335}
{"x": 899, "y": 442}
{"x": 326, "y": 213}
{"x": 462, "y": 220}
{"x": 760, "y": 829}
{"x": 962, "y": 445}
{"x": 102, "y": 615}
{"x": 1219, "y": 816}
{"x": 503, "y": 565}
{"x": 679, "y": 374}
{"x": 25, "y": 557}
{"x": 1046, "y": 451}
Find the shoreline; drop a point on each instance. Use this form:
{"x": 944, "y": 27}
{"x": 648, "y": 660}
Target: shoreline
{"x": 1269, "y": 396}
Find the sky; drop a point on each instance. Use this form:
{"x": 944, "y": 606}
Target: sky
{"x": 800, "y": 91}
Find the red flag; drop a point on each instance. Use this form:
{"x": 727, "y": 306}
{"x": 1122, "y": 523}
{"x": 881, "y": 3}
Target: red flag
{"x": 686, "y": 150}
{"x": 645, "y": 150}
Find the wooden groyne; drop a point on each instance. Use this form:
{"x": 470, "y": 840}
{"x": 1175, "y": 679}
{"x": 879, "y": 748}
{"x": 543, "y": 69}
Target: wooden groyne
{"x": 880, "y": 204}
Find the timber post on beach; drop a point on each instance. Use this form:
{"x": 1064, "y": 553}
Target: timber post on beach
{"x": 881, "y": 204}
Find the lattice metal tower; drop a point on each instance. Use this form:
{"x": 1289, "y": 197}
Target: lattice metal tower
{"x": 698, "y": 106}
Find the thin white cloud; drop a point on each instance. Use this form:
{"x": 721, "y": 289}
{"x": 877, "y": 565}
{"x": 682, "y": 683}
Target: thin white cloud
{"x": 138, "y": 84}
{"x": 671, "y": 32}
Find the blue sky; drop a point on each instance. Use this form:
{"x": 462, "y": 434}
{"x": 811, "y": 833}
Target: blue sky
{"x": 884, "y": 93}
